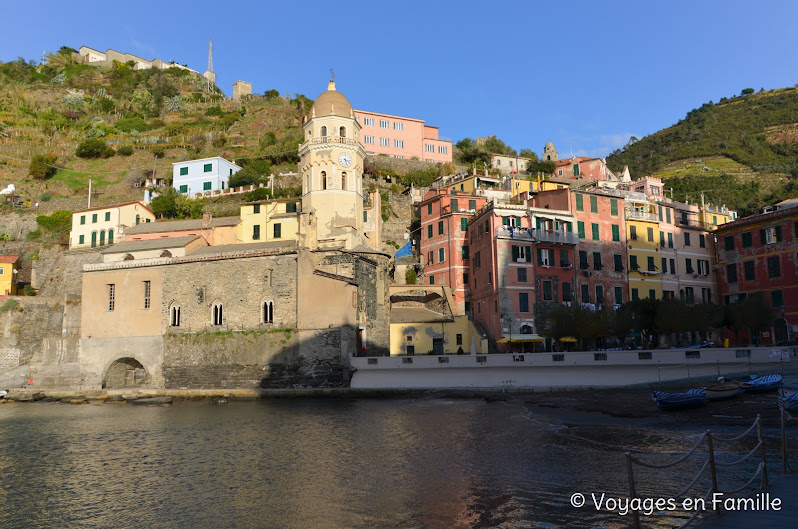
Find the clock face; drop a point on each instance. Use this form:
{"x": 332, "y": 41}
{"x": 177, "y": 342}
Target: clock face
{"x": 344, "y": 159}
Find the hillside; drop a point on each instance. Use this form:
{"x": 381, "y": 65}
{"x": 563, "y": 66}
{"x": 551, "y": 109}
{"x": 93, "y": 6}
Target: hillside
{"x": 742, "y": 151}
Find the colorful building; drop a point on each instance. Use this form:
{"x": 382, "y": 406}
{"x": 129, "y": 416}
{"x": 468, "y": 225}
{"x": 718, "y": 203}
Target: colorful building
{"x": 216, "y": 231}
{"x": 203, "y": 176}
{"x": 101, "y": 225}
{"x": 583, "y": 168}
{"x": 507, "y": 165}
{"x": 400, "y": 137}
{"x": 443, "y": 240}
{"x": 9, "y": 268}
{"x": 758, "y": 256}
{"x": 270, "y": 220}
{"x": 642, "y": 235}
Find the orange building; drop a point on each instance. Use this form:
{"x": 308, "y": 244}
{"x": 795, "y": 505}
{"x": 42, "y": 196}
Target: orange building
{"x": 400, "y": 137}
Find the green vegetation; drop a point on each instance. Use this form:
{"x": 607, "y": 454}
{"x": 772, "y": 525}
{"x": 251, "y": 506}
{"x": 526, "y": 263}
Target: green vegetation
{"x": 172, "y": 205}
{"x": 254, "y": 171}
{"x": 53, "y": 228}
{"x": 42, "y": 166}
{"x": 94, "y": 148}
{"x": 9, "y": 304}
{"x": 410, "y": 276}
{"x": 125, "y": 150}
{"x": 29, "y": 290}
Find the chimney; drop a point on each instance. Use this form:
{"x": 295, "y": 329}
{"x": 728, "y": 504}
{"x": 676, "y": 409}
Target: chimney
{"x": 206, "y": 220}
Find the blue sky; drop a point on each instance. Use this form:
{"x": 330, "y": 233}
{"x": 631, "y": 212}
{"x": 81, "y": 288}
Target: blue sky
{"x": 585, "y": 75}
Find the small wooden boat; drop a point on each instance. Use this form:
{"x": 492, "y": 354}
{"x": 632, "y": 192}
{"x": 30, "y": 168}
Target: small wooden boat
{"x": 723, "y": 390}
{"x": 677, "y": 401}
{"x": 788, "y": 402}
{"x": 762, "y": 384}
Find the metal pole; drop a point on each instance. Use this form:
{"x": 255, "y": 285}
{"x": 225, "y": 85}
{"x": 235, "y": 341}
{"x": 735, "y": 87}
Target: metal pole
{"x": 762, "y": 449}
{"x": 632, "y": 493}
{"x": 783, "y": 442}
{"x": 712, "y": 468}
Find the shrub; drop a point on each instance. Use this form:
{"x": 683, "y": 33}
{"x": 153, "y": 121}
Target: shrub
{"x": 29, "y": 290}
{"x": 108, "y": 152}
{"x": 9, "y": 304}
{"x": 94, "y": 148}
{"x": 41, "y": 166}
{"x": 158, "y": 152}
{"x": 59, "y": 223}
{"x": 5, "y": 236}
{"x": 131, "y": 124}
{"x": 410, "y": 276}
{"x": 45, "y": 197}
{"x": 125, "y": 150}
{"x": 34, "y": 235}
{"x": 262, "y": 193}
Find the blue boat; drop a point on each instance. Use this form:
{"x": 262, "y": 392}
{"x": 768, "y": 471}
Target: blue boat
{"x": 762, "y": 384}
{"x": 788, "y": 402}
{"x": 679, "y": 401}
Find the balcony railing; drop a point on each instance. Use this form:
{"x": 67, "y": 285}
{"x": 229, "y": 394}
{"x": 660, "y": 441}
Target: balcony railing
{"x": 331, "y": 139}
{"x": 532, "y": 234}
{"x": 641, "y": 215}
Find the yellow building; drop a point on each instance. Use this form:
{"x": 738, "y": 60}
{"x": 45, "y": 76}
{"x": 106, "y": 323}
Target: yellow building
{"x": 9, "y": 266}
{"x": 270, "y": 220}
{"x": 100, "y": 226}
{"x": 711, "y": 217}
{"x": 642, "y": 236}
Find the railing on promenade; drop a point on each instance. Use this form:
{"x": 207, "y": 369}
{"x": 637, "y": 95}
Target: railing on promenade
{"x": 711, "y": 463}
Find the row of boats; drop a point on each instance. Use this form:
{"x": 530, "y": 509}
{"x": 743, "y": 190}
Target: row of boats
{"x": 788, "y": 398}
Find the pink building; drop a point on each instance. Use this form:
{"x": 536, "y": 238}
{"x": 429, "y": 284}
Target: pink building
{"x": 400, "y": 137}
{"x": 583, "y": 168}
{"x": 444, "y": 242}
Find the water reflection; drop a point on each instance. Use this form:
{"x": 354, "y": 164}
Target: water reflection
{"x": 425, "y": 463}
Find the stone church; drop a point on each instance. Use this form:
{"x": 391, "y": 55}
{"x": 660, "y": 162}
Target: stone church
{"x": 262, "y": 314}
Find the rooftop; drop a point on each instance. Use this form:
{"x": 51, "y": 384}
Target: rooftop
{"x": 180, "y": 225}
{"x": 416, "y": 315}
{"x": 109, "y": 206}
{"x": 151, "y": 244}
{"x": 8, "y": 258}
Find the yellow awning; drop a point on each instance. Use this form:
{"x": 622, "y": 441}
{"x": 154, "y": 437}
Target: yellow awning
{"x": 521, "y": 338}
{"x": 567, "y": 339}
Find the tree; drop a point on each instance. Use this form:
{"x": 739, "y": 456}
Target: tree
{"x": 469, "y": 152}
{"x": 94, "y": 148}
{"x": 254, "y": 172}
{"x": 42, "y": 166}
{"x": 527, "y": 153}
{"x": 747, "y": 91}
{"x": 751, "y": 314}
{"x": 496, "y": 146}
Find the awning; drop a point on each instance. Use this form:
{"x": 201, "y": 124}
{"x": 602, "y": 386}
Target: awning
{"x": 567, "y": 339}
{"x": 520, "y": 338}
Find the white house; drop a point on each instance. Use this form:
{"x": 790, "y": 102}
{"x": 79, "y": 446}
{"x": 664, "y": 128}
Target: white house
{"x": 196, "y": 177}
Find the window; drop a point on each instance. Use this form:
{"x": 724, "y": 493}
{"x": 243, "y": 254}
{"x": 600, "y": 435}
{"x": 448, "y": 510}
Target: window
{"x": 774, "y": 267}
{"x": 659, "y": 210}
{"x": 635, "y": 294}
{"x": 398, "y": 126}
{"x": 440, "y": 227}
{"x": 747, "y": 239}
{"x": 82, "y": 239}
{"x": 102, "y": 238}
{"x": 576, "y": 169}
{"x": 566, "y": 291}
{"x": 174, "y": 316}
{"x": 183, "y": 171}
{"x": 770, "y": 235}
{"x": 441, "y": 255}
{"x": 324, "y": 132}
{"x": 616, "y": 232}
{"x": 618, "y": 262}
{"x": 278, "y": 230}
{"x": 429, "y": 148}
{"x": 107, "y": 216}
{"x": 599, "y": 294}
{"x": 702, "y": 240}
{"x": 595, "y": 229}
{"x": 431, "y": 257}
{"x": 399, "y": 144}
{"x": 93, "y": 239}
{"x": 477, "y": 263}
{"x": 490, "y": 277}
{"x": 686, "y": 239}
{"x": 147, "y": 290}
{"x": 688, "y": 266}
{"x": 776, "y": 298}
{"x": 547, "y": 291}
{"x": 670, "y": 240}
{"x": 662, "y": 239}
{"x": 267, "y": 312}
{"x": 593, "y": 204}
{"x": 368, "y": 121}
{"x": 184, "y": 189}
{"x": 343, "y": 180}
{"x": 429, "y": 208}
{"x": 633, "y": 232}
{"x": 111, "y": 296}
{"x": 729, "y": 242}
{"x": 464, "y": 224}
{"x": 443, "y": 150}
{"x": 580, "y": 205}
{"x": 290, "y": 207}
{"x": 365, "y": 216}
{"x": 664, "y": 266}
{"x": 703, "y": 267}
{"x": 618, "y": 295}
{"x": 94, "y": 218}
{"x": 522, "y": 275}
{"x": 580, "y": 228}
{"x": 633, "y": 263}
{"x": 385, "y": 124}
{"x": 523, "y": 302}
{"x": 614, "y": 207}
{"x": 565, "y": 261}
{"x": 83, "y": 219}
{"x": 583, "y": 260}
{"x": 546, "y": 256}
{"x": 342, "y": 132}
{"x": 650, "y": 233}
{"x": 138, "y": 220}
{"x": 256, "y": 232}
{"x": 689, "y": 295}
{"x": 650, "y": 264}
{"x": 429, "y": 231}
{"x": 369, "y": 140}
{"x": 217, "y": 314}
{"x": 385, "y": 142}
{"x": 256, "y": 208}
{"x": 706, "y": 295}
{"x": 207, "y": 168}
{"x": 596, "y": 261}
{"x": 668, "y": 215}
{"x": 585, "y": 293}
{"x": 453, "y": 204}
{"x": 465, "y": 280}
{"x": 206, "y": 186}
{"x": 731, "y": 273}
{"x": 472, "y": 205}
{"x": 652, "y": 294}
{"x": 520, "y": 254}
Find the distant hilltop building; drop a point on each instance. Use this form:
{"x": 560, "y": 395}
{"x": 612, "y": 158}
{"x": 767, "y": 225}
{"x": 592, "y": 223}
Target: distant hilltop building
{"x": 241, "y": 89}
{"x": 107, "y": 58}
{"x": 400, "y": 137}
{"x": 206, "y": 175}
{"x": 549, "y": 153}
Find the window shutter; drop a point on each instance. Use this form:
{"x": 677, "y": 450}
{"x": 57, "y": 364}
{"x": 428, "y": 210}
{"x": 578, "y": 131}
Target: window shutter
{"x": 551, "y": 256}
{"x": 540, "y": 257}
{"x": 515, "y": 253}
{"x": 537, "y": 223}
{"x": 505, "y": 221}
{"x": 778, "y": 233}
{"x": 529, "y": 254}
{"x": 763, "y": 238}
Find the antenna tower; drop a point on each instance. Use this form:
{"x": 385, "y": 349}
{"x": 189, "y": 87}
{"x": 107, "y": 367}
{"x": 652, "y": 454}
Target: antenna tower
{"x": 209, "y": 75}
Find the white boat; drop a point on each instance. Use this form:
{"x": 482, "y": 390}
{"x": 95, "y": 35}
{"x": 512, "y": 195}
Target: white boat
{"x": 3, "y": 393}
{"x": 724, "y": 390}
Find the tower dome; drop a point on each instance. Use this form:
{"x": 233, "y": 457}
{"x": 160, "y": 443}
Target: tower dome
{"x": 331, "y": 103}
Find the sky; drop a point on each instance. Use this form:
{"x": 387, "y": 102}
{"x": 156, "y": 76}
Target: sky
{"x": 586, "y": 75}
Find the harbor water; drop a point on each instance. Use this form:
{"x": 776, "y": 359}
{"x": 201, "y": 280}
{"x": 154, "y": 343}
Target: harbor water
{"x": 318, "y": 463}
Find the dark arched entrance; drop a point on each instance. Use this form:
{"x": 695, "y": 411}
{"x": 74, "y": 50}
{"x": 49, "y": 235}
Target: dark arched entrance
{"x": 780, "y": 330}
{"x": 125, "y": 373}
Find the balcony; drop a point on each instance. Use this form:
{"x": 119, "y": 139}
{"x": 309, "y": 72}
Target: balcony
{"x": 512, "y": 232}
{"x": 556, "y": 237}
{"x": 330, "y": 139}
{"x": 641, "y": 215}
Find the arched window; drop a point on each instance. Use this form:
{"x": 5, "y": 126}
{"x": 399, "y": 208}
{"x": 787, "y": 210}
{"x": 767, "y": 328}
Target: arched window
{"x": 166, "y": 253}
{"x": 324, "y": 132}
{"x": 110, "y": 236}
{"x": 93, "y": 239}
{"x": 526, "y": 329}
{"x": 324, "y": 179}
{"x": 138, "y": 220}
{"x": 267, "y": 312}
{"x": 343, "y": 180}
{"x": 217, "y": 316}
{"x": 127, "y": 257}
{"x": 342, "y": 132}
{"x": 174, "y": 316}
{"x": 102, "y": 238}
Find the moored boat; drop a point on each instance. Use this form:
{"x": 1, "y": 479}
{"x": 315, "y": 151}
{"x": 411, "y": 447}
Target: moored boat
{"x": 788, "y": 401}
{"x": 762, "y": 384}
{"x": 723, "y": 390}
{"x": 678, "y": 401}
